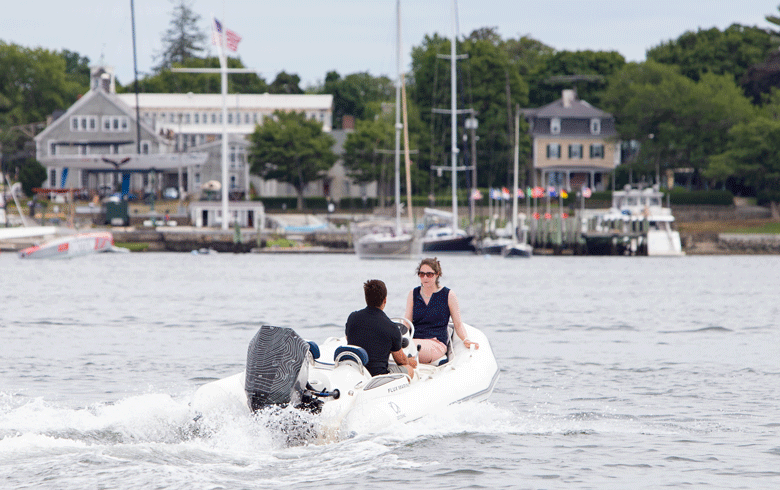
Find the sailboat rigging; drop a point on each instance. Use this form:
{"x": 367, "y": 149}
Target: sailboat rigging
{"x": 380, "y": 240}
{"x": 442, "y": 238}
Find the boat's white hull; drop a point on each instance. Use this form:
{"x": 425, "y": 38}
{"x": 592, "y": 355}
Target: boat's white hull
{"x": 71, "y": 246}
{"x": 387, "y": 246}
{"x": 523, "y": 250}
{"x": 367, "y": 404}
{"x": 664, "y": 243}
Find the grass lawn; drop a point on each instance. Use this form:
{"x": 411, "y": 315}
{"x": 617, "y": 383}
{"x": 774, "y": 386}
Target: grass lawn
{"x": 133, "y": 246}
{"x": 734, "y": 226}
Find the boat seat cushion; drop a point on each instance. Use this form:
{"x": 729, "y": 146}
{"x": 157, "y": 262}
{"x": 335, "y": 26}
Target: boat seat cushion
{"x": 314, "y": 349}
{"x": 360, "y": 352}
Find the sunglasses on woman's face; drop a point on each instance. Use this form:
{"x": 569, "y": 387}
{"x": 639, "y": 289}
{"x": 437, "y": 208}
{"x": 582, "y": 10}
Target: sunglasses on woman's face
{"x": 426, "y": 274}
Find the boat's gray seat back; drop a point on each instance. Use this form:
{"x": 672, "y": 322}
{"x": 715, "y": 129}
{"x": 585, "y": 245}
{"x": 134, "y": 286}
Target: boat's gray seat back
{"x": 276, "y": 367}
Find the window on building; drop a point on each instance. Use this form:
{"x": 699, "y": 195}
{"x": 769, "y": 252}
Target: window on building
{"x": 555, "y": 125}
{"x": 554, "y": 150}
{"x": 53, "y": 178}
{"x": 595, "y": 126}
{"x": 597, "y": 150}
{"x": 232, "y": 181}
{"x": 197, "y": 118}
{"x": 213, "y": 119}
{"x": 205, "y": 118}
{"x": 187, "y": 118}
{"x": 52, "y": 148}
{"x": 575, "y": 151}
{"x": 83, "y": 123}
{"x": 145, "y": 147}
{"x": 230, "y": 118}
{"x": 115, "y": 123}
{"x": 162, "y": 117}
{"x": 83, "y": 149}
{"x": 196, "y": 177}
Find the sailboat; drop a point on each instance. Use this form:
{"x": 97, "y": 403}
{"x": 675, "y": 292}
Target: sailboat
{"x": 438, "y": 236}
{"x": 518, "y": 248}
{"x": 380, "y": 239}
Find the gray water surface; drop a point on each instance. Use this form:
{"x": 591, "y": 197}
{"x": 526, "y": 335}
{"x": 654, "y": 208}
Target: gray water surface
{"x": 615, "y": 373}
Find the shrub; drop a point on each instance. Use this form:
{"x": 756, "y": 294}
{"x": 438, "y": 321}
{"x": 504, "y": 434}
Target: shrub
{"x": 711, "y": 198}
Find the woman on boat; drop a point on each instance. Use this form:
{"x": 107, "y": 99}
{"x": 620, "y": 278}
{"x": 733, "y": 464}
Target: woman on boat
{"x": 430, "y": 306}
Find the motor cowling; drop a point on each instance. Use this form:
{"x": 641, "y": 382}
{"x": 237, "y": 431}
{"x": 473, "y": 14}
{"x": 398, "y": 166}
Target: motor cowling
{"x": 277, "y": 369}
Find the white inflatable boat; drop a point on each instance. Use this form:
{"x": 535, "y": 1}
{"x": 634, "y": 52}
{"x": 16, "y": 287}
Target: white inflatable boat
{"x": 330, "y": 380}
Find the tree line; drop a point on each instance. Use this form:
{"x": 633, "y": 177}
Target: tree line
{"x": 707, "y": 101}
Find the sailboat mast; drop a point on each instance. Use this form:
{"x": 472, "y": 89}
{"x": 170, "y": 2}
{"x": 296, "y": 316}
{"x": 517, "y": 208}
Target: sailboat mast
{"x": 454, "y": 118}
{"x": 517, "y": 170}
{"x": 398, "y": 125}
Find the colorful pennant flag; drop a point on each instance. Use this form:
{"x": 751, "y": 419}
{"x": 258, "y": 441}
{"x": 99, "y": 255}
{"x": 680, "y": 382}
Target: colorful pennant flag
{"x": 476, "y": 195}
{"x": 586, "y": 192}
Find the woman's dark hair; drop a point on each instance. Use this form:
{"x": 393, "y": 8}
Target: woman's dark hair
{"x": 376, "y": 292}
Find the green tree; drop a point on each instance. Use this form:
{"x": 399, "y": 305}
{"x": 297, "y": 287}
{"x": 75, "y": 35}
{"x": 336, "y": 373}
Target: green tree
{"x": 184, "y": 38}
{"x": 753, "y": 153}
{"x": 293, "y": 149}
{"x": 731, "y": 51}
{"x": 33, "y": 84}
{"x": 679, "y": 122}
{"x": 285, "y": 83}
{"x": 31, "y": 175}
{"x": 77, "y": 69}
{"x": 584, "y": 70}
{"x": 166, "y": 81}
{"x": 357, "y": 94}
{"x": 367, "y": 154}
{"x": 488, "y": 83}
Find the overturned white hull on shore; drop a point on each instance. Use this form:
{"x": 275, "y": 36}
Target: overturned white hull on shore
{"x": 73, "y": 246}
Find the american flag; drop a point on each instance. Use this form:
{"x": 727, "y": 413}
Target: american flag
{"x": 231, "y": 38}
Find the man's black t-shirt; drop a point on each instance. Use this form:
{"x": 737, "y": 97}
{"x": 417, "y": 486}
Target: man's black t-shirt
{"x": 371, "y": 329}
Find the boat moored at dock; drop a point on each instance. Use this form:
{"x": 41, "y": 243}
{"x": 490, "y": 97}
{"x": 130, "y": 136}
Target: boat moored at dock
{"x": 636, "y": 224}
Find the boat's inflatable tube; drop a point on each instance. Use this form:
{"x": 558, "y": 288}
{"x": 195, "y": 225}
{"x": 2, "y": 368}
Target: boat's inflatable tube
{"x": 277, "y": 368}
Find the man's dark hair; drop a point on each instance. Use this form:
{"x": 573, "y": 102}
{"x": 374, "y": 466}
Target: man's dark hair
{"x": 376, "y": 292}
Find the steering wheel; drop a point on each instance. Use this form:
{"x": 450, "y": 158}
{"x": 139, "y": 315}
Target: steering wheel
{"x": 407, "y": 335}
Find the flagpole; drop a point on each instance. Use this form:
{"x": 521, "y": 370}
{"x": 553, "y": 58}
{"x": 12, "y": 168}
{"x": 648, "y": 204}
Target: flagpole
{"x": 517, "y": 170}
{"x": 223, "y": 74}
{"x": 223, "y": 70}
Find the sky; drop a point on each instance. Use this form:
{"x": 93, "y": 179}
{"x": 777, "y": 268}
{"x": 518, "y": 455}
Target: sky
{"x": 312, "y": 37}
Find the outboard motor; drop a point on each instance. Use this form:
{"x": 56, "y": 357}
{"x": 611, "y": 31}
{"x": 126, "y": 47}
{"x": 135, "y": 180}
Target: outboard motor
{"x": 277, "y": 370}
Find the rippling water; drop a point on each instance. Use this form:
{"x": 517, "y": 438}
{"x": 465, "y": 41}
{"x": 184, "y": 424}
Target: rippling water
{"x": 615, "y": 373}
